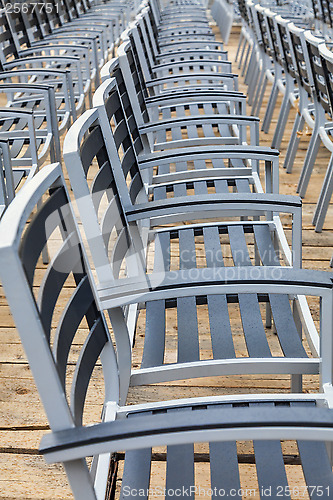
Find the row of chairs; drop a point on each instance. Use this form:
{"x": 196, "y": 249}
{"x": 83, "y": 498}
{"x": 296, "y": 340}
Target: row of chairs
{"x": 166, "y": 173}
{"x": 50, "y": 57}
{"x": 298, "y": 62}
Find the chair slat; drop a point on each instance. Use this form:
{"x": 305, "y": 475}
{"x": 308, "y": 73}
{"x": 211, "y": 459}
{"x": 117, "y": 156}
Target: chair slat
{"x": 239, "y": 250}
{"x": 220, "y": 329}
{"x": 213, "y": 250}
{"x": 38, "y": 231}
{"x": 154, "y": 344}
{"x": 188, "y": 336}
{"x": 89, "y": 355}
{"x": 243, "y": 186}
{"x": 254, "y": 332}
{"x": 136, "y": 474}
{"x": 76, "y": 308}
{"x": 180, "y": 476}
{"x": 289, "y": 337}
{"x": 67, "y": 258}
{"x": 271, "y": 471}
{"x": 102, "y": 181}
{"x": 224, "y": 470}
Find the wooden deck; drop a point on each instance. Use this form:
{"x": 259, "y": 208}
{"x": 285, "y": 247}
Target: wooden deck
{"x": 23, "y": 473}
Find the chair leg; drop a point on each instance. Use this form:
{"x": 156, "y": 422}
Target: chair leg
{"x": 293, "y": 143}
{"x": 246, "y": 60}
{"x": 241, "y": 38}
{"x": 282, "y": 122}
{"x": 259, "y": 98}
{"x": 270, "y": 108}
{"x": 260, "y": 92}
{"x": 250, "y": 67}
{"x": 324, "y": 198}
{"x": 242, "y": 54}
{"x": 309, "y": 163}
{"x": 252, "y": 83}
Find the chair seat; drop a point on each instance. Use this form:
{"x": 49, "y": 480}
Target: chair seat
{"x": 235, "y": 324}
{"x": 221, "y": 472}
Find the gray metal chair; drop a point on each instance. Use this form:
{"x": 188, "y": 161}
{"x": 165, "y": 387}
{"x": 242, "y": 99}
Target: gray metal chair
{"x": 192, "y": 155}
{"x": 200, "y": 128}
{"x": 138, "y": 429}
{"x": 208, "y": 74}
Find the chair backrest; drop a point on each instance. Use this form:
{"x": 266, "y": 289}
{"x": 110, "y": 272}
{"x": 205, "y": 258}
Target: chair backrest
{"x": 59, "y": 15}
{"x": 243, "y": 11}
{"x": 317, "y": 10}
{"x": 302, "y": 58}
{"x": 89, "y": 153}
{"x": 48, "y": 320}
{"x": 141, "y": 42}
{"x": 8, "y": 49}
{"x": 131, "y": 95}
{"x": 278, "y": 52}
{"x": 18, "y": 29}
{"x": 64, "y": 334}
{"x": 35, "y": 22}
{"x": 318, "y": 77}
{"x": 131, "y": 66}
{"x": 22, "y": 146}
{"x": 326, "y": 57}
{"x": 41, "y": 22}
{"x": 265, "y": 34}
{"x": 290, "y": 64}
{"x": 326, "y": 10}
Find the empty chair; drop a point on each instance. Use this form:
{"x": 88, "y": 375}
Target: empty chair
{"x": 138, "y": 429}
{"x": 191, "y": 161}
{"x": 228, "y": 127}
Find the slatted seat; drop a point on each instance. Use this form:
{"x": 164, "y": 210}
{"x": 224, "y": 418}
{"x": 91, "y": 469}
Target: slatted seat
{"x": 187, "y": 60}
{"x": 270, "y": 472}
{"x": 171, "y": 167}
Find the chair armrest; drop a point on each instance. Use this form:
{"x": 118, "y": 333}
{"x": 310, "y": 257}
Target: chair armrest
{"x": 171, "y": 428}
{"x": 227, "y": 65}
{"x": 193, "y": 53}
{"x": 191, "y": 76}
{"x": 170, "y": 123}
{"x": 194, "y": 96}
